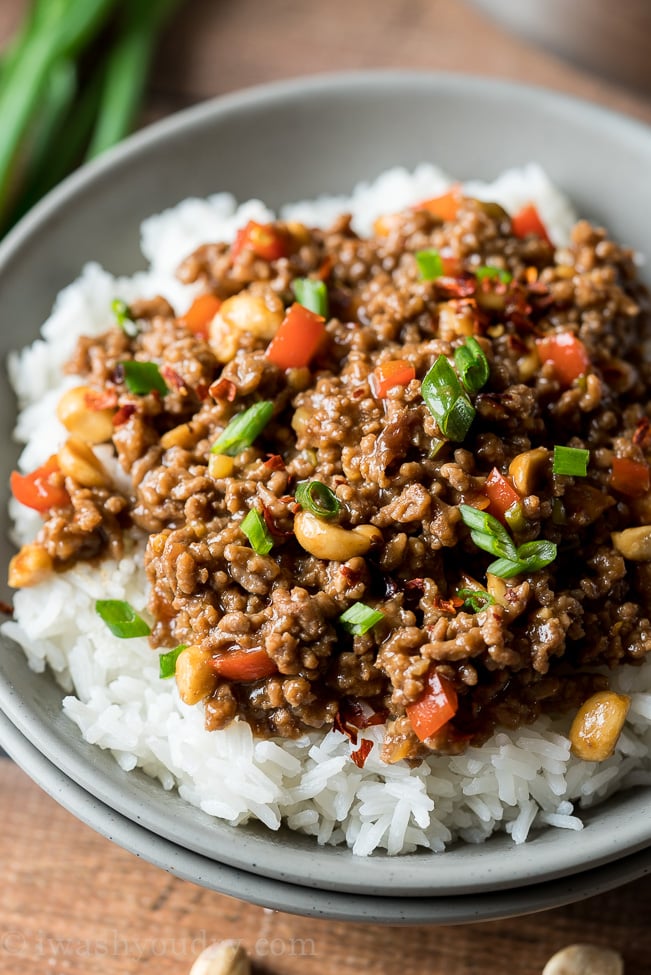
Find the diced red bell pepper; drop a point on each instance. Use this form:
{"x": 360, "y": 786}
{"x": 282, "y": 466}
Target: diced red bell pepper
{"x": 501, "y": 494}
{"x": 264, "y": 239}
{"x": 298, "y": 339}
{"x": 394, "y": 372}
{"x": 37, "y": 491}
{"x": 434, "y": 708}
{"x": 244, "y": 665}
{"x": 567, "y": 354}
{"x": 527, "y": 221}
{"x": 445, "y": 207}
{"x": 199, "y": 315}
{"x": 630, "y": 477}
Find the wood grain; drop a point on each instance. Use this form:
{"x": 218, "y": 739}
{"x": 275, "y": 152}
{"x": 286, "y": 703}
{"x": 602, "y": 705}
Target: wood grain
{"x": 71, "y": 902}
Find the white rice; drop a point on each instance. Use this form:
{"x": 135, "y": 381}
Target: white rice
{"x": 517, "y": 781}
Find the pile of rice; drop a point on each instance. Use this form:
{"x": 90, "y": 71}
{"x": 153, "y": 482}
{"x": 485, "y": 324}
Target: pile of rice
{"x": 517, "y": 781}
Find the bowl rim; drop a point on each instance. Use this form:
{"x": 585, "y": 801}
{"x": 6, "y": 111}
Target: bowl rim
{"x": 252, "y": 850}
{"x": 293, "y": 898}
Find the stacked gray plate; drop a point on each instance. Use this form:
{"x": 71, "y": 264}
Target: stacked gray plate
{"x": 349, "y": 128}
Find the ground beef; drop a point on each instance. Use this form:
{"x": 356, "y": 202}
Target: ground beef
{"x": 536, "y": 642}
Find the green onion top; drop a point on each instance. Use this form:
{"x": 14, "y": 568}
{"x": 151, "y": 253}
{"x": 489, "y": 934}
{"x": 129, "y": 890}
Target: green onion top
{"x": 123, "y": 317}
{"x": 489, "y": 272}
{"x": 312, "y": 294}
{"x": 571, "y": 460}
{"x": 447, "y": 400}
{"x": 430, "y": 264}
{"x": 475, "y": 600}
{"x": 359, "y": 619}
{"x": 143, "y": 377}
{"x": 487, "y": 532}
{"x": 167, "y": 661}
{"x": 318, "y": 499}
{"x": 531, "y": 557}
{"x": 121, "y": 618}
{"x": 255, "y": 529}
{"x": 491, "y": 536}
{"x": 243, "y": 429}
{"x": 470, "y": 359}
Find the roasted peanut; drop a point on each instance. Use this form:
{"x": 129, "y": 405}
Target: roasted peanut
{"x": 31, "y": 565}
{"x": 453, "y": 323}
{"x": 584, "y": 959}
{"x": 528, "y": 365}
{"x": 526, "y": 468}
{"x": 223, "y": 958}
{"x": 77, "y": 460}
{"x": 634, "y": 543}
{"x": 182, "y": 436}
{"x": 92, "y": 426}
{"x": 598, "y": 724}
{"x": 496, "y": 587}
{"x": 220, "y": 465}
{"x": 327, "y": 541}
{"x": 244, "y": 312}
{"x": 195, "y": 678}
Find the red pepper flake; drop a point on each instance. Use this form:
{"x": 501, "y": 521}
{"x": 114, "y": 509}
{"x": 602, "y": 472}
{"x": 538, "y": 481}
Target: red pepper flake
{"x": 124, "y": 414}
{"x": 105, "y": 399}
{"x": 202, "y": 392}
{"x": 642, "y": 430}
{"x": 360, "y": 755}
{"x": 354, "y": 715}
{"x": 172, "y": 377}
{"x": 223, "y": 389}
{"x": 462, "y": 287}
{"x": 352, "y": 576}
{"x": 270, "y": 522}
{"x": 274, "y": 462}
{"x": 448, "y": 605}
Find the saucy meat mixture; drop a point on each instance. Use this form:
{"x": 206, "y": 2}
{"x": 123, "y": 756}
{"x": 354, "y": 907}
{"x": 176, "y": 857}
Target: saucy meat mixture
{"x": 398, "y": 479}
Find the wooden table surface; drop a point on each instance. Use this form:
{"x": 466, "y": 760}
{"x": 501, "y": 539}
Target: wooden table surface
{"x": 70, "y": 901}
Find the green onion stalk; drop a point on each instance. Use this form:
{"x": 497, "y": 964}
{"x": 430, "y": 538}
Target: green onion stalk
{"x": 71, "y": 84}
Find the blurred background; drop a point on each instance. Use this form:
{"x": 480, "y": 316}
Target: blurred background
{"x": 106, "y": 66}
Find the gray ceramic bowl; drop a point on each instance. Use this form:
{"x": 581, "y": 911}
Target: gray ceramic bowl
{"x": 348, "y": 128}
{"x": 301, "y": 900}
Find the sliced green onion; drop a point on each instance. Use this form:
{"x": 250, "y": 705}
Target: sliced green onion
{"x": 488, "y": 533}
{"x": 123, "y": 317}
{"x": 476, "y": 600}
{"x": 515, "y": 518}
{"x": 531, "y": 557}
{"x": 121, "y": 618}
{"x": 312, "y": 294}
{"x": 488, "y": 271}
{"x": 430, "y": 264}
{"x": 571, "y": 460}
{"x": 257, "y": 532}
{"x": 167, "y": 661}
{"x": 143, "y": 377}
{"x": 360, "y": 618}
{"x": 447, "y": 401}
{"x": 470, "y": 359}
{"x": 318, "y": 499}
{"x": 243, "y": 429}
{"x": 491, "y": 536}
